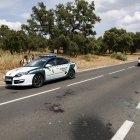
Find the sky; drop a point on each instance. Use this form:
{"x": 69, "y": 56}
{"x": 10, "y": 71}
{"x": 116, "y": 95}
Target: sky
{"x": 113, "y": 13}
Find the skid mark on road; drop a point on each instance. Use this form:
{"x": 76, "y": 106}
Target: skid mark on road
{"x": 91, "y": 128}
{"x": 56, "y": 108}
{"x": 68, "y": 92}
{"x": 116, "y": 77}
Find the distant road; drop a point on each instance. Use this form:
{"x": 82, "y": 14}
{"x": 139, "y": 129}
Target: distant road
{"x": 100, "y": 104}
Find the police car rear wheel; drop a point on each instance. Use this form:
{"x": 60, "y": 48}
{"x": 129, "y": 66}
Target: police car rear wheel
{"x": 71, "y": 74}
{"x": 38, "y": 80}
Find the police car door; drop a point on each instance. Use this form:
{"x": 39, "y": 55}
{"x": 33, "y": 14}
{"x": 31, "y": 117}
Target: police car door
{"x": 50, "y": 69}
{"x": 62, "y": 67}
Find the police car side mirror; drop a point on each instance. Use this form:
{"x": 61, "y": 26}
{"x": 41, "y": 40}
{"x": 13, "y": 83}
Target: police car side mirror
{"x": 48, "y": 65}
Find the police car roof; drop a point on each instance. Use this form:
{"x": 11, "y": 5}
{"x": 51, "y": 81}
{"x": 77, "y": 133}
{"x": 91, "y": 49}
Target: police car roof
{"x": 48, "y": 55}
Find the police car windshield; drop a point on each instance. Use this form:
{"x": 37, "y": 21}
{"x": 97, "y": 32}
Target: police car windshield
{"x": 37, "y": 63}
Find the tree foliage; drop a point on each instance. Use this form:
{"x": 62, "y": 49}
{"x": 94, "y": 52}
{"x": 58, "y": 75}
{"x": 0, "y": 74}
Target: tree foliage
{"x": 41, "y": 22}
{"x": 63, "y": 24}
{"x": 118, "y": 40}
{"x": 69, "y": 28}
{"x": 12, "y": 40}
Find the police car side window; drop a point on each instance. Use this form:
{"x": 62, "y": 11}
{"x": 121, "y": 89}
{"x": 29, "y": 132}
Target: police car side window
{"x": 62, "y": 61}
{"x": 52, "y": 62}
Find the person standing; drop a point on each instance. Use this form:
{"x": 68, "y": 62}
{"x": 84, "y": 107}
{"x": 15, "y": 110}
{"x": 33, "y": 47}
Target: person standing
{"x": 24, "y": 61}
{"x": 31, "y": 58}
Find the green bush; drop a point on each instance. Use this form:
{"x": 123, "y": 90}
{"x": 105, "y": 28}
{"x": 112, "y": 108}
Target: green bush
{"x": 119, "y": 55}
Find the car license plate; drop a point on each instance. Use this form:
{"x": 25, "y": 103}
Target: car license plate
{"x": 8, "y": 79}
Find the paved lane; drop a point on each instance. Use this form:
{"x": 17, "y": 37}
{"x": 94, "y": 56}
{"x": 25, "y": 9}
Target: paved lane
{"x": 91, "y": 109}
{"x": 9, "y": 94}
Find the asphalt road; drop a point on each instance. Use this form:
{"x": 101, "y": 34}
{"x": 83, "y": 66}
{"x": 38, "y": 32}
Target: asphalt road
{"x": 100, "y": 104}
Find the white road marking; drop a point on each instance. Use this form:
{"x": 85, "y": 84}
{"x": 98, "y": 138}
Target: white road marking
{"x": 106, "y": 66}
{"x": 19, "y": 99}
{"x": 122, "y": 132}
{"x": 85, "y": 80}
{"x": 117, "y": 71}
{"x": 138, "y": 106}
{"x": 130, "y": 67}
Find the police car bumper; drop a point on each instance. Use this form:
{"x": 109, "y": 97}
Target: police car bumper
{"x": 25, "y": 80}
{"x": 139, "y": 62}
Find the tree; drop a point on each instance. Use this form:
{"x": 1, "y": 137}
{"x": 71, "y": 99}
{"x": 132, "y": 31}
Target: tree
{"x": 137, "y": 40}
{"x": 10, "y": 38}
{"x": 41, "y": 22}
{"x": 3, "y": 30}
{"x": 3, "y": 33}
{"x": 102, "y": 47}
{"x": 36, "y": 42}
{"x": 76, "y": 17}
{"x": 118, "y": 40}
{"x": 14, "y": 41}
{"x": 110, "y": 39}
{"x": 124, "y": 43}
{"x": 82, "y": 43}
{"x": 66, "y": 22}
{"x": 77, "y": 20}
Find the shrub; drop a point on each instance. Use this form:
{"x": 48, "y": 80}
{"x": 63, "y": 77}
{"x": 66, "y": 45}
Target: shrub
{"x": 119, "y": 55}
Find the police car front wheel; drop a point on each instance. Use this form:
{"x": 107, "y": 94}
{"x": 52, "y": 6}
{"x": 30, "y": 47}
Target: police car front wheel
{"x": 37, "y": 81}
{"x": 71, "y": 74}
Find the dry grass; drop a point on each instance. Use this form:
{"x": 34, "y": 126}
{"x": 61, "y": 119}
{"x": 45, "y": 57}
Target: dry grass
{"x": 8, "y": 61}
{"x": 85, "y": 62}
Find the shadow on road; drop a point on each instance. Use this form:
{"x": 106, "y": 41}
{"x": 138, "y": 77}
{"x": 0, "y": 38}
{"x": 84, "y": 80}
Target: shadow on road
{"x": 91, "y": 129}
{"x": 18, "y": 87}
{"x": 30, "y": 87}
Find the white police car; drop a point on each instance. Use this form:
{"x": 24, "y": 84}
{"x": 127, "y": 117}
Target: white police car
{"x": 139, "y": 61}
{"x": 41, "y": 70}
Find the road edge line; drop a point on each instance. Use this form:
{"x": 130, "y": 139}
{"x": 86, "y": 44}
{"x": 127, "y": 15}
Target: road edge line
{"x": 100, "y": 67}
{"x": 123, "y": 131}
{"x": 33, "y": 95}
{"x": 138, "y": 106}
{"x": 116, "y": 71}
{"x": 85, "y": 80}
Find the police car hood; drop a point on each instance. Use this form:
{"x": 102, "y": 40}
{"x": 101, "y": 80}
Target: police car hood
{"x": 19, "y": 70}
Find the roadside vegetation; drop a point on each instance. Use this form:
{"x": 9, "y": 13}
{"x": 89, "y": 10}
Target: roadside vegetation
{"x": 119, "y": 55}
{"x": 9, "y": 61}
{"x": 68, "y": 29}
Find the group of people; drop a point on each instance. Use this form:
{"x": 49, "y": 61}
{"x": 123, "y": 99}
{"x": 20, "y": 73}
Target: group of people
{"x": 25, "y": 60}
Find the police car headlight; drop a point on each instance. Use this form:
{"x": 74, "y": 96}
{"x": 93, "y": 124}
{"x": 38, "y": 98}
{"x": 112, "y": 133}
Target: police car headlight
{"x": 21, "y": 74}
